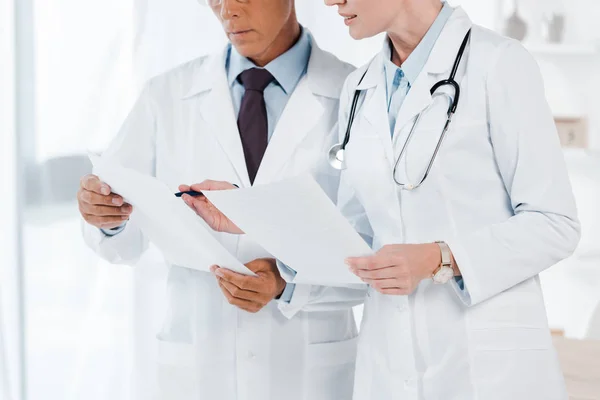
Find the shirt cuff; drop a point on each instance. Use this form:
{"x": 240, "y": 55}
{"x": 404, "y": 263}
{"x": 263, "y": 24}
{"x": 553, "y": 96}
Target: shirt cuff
{"x": 286, "y": 272}
{"x": 288, "y": 275}
{"x": 288, "y": 292}
{"x": 113, "y": 231}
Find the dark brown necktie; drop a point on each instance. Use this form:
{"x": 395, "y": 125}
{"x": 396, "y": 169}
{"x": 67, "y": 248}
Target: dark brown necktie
{"x": 252, "y": 118}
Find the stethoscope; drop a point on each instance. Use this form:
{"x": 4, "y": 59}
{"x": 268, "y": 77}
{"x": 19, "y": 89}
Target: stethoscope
{"x": 337, "y": 152}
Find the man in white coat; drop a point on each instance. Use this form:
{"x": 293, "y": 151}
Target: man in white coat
{"x": 285, "y": 341}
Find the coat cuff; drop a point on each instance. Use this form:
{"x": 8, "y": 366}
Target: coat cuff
{"x": 466, "y": 288}
{"x": 288, "y": 292}
{"x": 299, "y": 296}
{"x": 298, "y": 301}
{"x": 114, "y": 231}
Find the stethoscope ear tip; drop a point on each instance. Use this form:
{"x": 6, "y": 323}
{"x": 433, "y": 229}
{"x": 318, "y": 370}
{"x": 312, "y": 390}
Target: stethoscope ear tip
{"x": 336, "y": 157}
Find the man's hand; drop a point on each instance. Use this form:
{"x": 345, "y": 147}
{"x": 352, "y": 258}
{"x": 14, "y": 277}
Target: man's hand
{"x": 98, "y": 206}
{"x": 251, "y": 293}
{"x": 206, "y": 210}
{"x": 397, "y": 269}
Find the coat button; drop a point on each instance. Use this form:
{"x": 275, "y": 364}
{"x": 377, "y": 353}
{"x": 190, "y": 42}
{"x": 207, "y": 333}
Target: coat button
{"x": 401, "y": 307}
{"x": 251, "y": 355}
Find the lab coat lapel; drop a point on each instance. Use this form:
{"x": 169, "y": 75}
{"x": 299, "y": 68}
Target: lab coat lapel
{"x": 440, "y": 62}
{"x": 217, "y": 110}
{"x": 417, "y": 100}
{"x": 302, "y": 113}
{"x": 374, "y": 108}
{"x": 299, "y": 117}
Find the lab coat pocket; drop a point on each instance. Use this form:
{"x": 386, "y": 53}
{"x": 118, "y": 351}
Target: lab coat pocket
{"x": 176, "y": 371}
{"x": 511, "y": 338}
{"x": 330, "y": 370}
{"x": 510, "y": 355}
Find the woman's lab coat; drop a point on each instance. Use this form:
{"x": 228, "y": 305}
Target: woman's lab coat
{"x": 498, "y": 194}
{"x": 183, "y": 130}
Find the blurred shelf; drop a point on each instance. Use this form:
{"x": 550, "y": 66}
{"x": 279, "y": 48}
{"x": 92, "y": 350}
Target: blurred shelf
{"x": 550, "y": 49}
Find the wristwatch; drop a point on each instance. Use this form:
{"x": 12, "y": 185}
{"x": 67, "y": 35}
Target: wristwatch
{"x": 444, "y": 272}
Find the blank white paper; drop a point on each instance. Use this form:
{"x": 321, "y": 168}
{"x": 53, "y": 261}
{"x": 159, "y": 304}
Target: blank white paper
{"x": 297, "y": 223}
{"x": 182, "y": 236}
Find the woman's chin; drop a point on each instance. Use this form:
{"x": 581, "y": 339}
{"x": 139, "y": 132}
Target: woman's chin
{"x": 358, "y": 33}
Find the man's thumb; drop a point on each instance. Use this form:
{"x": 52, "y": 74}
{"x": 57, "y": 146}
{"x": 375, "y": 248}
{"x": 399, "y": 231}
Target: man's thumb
{"x": 259, "y": 265}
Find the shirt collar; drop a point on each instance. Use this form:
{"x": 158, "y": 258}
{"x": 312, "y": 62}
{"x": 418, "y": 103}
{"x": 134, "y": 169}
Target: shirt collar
{"x": 416, "y": 61}
{"x": 287, "y": 69}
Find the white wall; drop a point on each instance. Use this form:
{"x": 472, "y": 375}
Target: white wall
{"x": 573, "y": 78}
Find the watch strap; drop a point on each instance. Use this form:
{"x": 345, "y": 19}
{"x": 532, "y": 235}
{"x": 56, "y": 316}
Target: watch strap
{"x": 446, "y": 254}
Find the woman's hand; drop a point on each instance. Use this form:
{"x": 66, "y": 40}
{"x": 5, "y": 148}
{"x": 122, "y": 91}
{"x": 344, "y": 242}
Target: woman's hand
{"x": 397, "y": 269}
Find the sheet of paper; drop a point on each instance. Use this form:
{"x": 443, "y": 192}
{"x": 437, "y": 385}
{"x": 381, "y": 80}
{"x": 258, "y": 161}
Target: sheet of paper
{"x": 297, "y": 223}
{"x": 181, "y": 235}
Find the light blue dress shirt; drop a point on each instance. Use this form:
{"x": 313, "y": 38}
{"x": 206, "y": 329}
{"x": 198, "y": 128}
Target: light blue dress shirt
{"x": 287, "y": 69}
{"x": 400, "y": 79}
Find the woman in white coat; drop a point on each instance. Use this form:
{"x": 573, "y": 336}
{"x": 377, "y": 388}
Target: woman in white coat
{"x": 497, "y": 196}
{"x": 183, "y": 130}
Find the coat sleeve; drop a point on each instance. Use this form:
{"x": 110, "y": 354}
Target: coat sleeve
{"x": 134, "y": 147}
{"x": 544, "y": 228}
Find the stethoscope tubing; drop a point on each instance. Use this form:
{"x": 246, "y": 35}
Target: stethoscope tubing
{"x": 451, "y": 111}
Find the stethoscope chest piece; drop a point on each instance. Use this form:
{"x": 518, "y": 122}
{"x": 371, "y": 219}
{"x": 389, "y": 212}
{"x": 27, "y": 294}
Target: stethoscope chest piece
{"x": 337, "y": 156}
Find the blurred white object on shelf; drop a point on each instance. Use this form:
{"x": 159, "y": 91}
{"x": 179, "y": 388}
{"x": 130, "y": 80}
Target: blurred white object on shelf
{"x": 572, "y": 131}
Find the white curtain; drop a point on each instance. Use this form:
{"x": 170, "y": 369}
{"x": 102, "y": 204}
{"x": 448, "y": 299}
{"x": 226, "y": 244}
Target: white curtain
{"x": 9, "y": 310}
{"x": 86, "y": 319}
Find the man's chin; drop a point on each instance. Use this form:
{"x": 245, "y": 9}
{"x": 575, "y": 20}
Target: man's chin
{"x": 245, "y": 48}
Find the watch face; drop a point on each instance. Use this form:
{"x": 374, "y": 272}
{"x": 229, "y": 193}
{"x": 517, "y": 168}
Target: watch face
{"x": 443, "y": 275}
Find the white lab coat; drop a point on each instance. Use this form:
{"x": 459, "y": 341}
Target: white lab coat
{"x": 498, "y": 194}
{"x": 183, "y": 130}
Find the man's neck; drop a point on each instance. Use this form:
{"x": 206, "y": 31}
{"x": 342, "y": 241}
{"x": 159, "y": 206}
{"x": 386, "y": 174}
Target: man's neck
{"x": 409, "y": 29}
{"x": 286, "y": 39}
